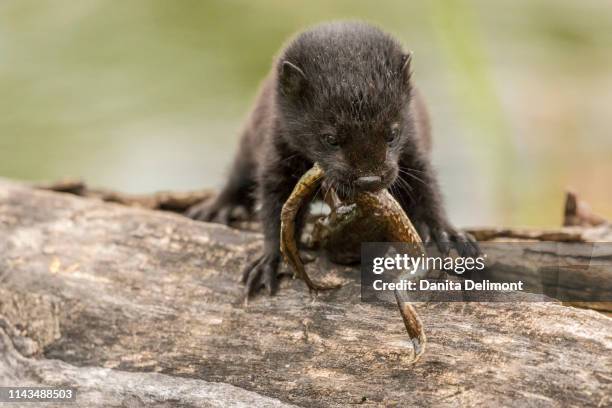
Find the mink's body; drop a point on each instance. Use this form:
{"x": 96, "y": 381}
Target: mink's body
{"x": 339, "y": 94}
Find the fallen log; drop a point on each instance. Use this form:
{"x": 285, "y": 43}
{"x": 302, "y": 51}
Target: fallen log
{"x": 140, "y": 296}
{"x": 163, "y": 200}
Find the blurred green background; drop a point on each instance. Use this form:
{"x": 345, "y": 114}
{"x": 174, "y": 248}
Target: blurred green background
{"x": 143, "y": 95}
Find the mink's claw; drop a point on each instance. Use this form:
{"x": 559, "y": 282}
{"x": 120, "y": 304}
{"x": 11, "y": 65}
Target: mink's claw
{"x": 214, "y": 210}
{"x": 447, "y": 238}
{"x": 261, "y": 273}
{"x": 465, "y": 244}
{"x": 423, "y": 231}
{"x": 441, "y": 239}
{"x": 204, "y": 211}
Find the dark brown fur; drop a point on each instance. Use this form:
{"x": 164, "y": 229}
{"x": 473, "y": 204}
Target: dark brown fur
{"x": 341, "y": 95}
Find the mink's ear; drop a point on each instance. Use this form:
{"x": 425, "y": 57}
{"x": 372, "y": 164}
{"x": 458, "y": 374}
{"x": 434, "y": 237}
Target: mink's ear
{"x": 292, "y": 79}
{"x": 405, "y": 70}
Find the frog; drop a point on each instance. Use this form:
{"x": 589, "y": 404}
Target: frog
{"x": 367, "y": 216}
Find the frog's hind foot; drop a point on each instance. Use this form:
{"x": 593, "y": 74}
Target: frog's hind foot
{"x": 413, "y": 325}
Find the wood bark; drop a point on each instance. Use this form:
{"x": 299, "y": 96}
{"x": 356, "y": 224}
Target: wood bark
{"x": 143, "y": 308}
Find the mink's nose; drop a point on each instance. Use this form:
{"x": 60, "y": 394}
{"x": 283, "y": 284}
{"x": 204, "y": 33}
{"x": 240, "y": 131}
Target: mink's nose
{"x": 369, "y": 182}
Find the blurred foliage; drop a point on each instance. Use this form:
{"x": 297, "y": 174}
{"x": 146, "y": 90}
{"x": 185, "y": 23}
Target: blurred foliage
{"x": 461, "y": 43}
{"x": 150, "y": 94}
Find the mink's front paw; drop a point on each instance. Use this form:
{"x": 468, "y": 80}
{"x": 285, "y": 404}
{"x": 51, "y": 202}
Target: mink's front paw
{"x": 214, "y": 210}
{"x": 446, "y": 237}
{"x": 262, "y": 272}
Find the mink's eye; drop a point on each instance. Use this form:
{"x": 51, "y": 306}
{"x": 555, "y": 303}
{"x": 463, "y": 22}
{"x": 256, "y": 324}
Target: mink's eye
{"x": 393, "y": 134}
{"x": 330, "y": 140}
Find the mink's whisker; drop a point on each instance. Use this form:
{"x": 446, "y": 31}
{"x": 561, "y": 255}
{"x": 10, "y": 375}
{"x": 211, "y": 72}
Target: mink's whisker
{"x": 403, "y": 185}
{"x": 408, "y": 173}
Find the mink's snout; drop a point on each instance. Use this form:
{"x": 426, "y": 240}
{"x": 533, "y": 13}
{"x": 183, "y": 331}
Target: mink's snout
{"x": 375, "y": 181}
{"x": 369, "y": 183}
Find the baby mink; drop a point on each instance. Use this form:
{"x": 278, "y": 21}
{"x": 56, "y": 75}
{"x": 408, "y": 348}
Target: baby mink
{"x": 339, "y": 94}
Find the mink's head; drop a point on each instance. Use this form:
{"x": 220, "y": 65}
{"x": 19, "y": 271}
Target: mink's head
{"x": 343, "y": 94}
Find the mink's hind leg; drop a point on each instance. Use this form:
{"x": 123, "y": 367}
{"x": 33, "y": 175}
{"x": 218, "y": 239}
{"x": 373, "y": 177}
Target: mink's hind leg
{"x": 238, "y": 193}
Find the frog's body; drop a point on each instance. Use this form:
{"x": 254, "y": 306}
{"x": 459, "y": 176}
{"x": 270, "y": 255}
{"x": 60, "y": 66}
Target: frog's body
{"x": 366, "y": 217}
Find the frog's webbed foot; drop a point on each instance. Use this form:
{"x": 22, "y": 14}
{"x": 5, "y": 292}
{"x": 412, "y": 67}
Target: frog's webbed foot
{"x": 413, "y": 325}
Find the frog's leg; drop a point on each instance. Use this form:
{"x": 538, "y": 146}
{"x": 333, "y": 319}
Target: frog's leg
{"x": 303, "y": 191}
{"x": 399, "y": 228}
{"x": 413, "y": 324}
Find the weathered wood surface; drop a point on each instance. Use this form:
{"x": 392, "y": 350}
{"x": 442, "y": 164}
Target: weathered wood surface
{"x": 102, "y": 286}
{"x": 106, "y": 387}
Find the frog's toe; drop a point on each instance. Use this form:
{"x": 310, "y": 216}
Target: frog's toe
{"x": 419, "y": 347}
